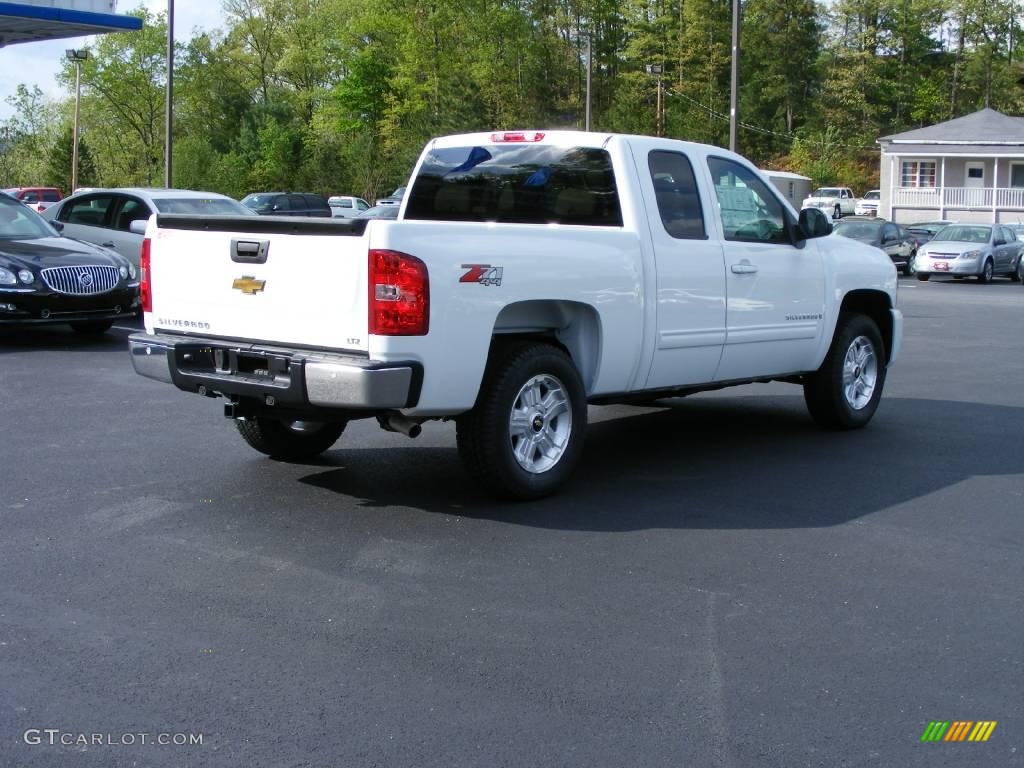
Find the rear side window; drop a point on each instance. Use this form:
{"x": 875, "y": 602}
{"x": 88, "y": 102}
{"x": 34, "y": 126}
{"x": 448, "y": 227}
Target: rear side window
{"x": 315, "y": 203}
{"x": 517, "y": 184}
{"x": 676, "y": 191}
{"x": 51, "y": 196}
{"x": 30, "y": 197}
{"x": 90, "y": 211}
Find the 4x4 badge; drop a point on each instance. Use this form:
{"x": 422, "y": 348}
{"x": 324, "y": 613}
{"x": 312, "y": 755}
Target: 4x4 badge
{"x": 484, "y": 274}
{"x": 248, "y": 284}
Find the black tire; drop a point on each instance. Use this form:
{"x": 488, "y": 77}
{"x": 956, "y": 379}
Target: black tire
{"x": 825, "y": 390}
{"x": 484, "y": 434}
{"x": 837, "y": 213}
{"x": 910, "y": 268}
{"x": 92, "y": 327}
{"x": 289, "y": 440}
{"x": 1020, "y": 270}
{"x": 986, "y": 272}
{"x": 923, "y": 276}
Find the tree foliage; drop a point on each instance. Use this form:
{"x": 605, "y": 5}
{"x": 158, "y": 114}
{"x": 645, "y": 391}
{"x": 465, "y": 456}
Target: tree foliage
{"x": 338, "y": 96}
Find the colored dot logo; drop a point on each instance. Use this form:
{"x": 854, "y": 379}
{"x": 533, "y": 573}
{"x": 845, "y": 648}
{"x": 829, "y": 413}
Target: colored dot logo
{"x": 958, "y": 730}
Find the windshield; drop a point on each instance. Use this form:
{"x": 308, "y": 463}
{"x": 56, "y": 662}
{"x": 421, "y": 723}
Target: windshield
{"x": 826, "y": 192}
{"x": 19, "y": 222}
{"x": 258, "y": 202}
{"x": 857, "y": 230}
{"x": 962, "y": 234}
{"x": 930, "y": 228}
{"x": 874, "y": 194}
{"x": 379, "y": 212}
{"x": 214, "y": 206}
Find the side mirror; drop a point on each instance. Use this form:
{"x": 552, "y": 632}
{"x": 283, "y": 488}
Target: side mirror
{"x": 138, "y": 226}
{"x": 58, "y": 225}
{"x": 813, "y": 223}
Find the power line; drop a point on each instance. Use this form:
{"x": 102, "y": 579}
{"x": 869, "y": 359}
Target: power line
{"x": 759, "y": 129}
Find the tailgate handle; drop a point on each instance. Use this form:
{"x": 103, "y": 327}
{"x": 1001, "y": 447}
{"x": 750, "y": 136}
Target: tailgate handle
{"x": 250, "y": 251}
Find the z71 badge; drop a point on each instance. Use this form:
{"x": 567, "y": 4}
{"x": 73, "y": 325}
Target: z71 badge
{"x": 484, "y": 274}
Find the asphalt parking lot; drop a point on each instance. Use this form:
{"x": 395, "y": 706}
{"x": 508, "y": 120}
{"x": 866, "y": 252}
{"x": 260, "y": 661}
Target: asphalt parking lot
{"x": 722, "y": 585}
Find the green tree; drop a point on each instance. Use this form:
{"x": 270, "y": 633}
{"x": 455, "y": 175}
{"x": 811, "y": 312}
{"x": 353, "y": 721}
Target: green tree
{"x": 58, "y": 172}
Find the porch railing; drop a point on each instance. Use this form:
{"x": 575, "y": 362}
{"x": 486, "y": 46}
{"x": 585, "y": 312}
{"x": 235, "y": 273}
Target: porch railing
{"x": 959, "y": 198}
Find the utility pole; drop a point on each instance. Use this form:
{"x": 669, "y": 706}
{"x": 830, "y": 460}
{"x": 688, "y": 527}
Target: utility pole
{"x": 169, "y": 108}
{"x": 656, "y": 69}
{"x": 735, "y": 80}
{"x": 590, "y": 69}
{"x": 77, "y": 56}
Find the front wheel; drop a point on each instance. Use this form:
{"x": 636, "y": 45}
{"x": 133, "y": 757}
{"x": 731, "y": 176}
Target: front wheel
{"x": 844, "y": 393}
{"x": 986, "y": 272}
{"x": 289, "y": 440}
{"x": 910, "y": 268}
{"x": 525, "y": 434}
{"x": 923, "y": 276}
{"x": 837, "y": 212}
{"x": 1020, "y": 270}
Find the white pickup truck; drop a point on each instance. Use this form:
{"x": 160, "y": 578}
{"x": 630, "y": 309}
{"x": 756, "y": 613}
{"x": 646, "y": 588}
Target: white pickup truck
{"x": 528, "y": 275}
{"x": 835, "y": 201}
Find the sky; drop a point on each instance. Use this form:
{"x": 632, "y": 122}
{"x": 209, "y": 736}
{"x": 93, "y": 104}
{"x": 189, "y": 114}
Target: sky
{"x": 39, "y": 63}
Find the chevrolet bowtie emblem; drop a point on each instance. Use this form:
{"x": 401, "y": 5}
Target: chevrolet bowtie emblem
{"x": 248, "y": 284}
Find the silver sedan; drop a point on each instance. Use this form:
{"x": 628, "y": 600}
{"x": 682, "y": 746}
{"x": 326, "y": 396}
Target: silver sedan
{"x": 116, "y": 218}
{"x": 970, "y": 250}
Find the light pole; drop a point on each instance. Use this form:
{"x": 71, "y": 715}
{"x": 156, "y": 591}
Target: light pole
{"x": 169, "y": 108}
{"x": 77, "y": 56}
{"x": 590, "y": 69}
{"x": 656, "y": 69}
{"x": 734, "y": 85}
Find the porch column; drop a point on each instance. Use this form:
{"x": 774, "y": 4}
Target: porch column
{"x": 894, "y": 168}
{"x": 995, "y": 186}
{"x": 942, "y": 189}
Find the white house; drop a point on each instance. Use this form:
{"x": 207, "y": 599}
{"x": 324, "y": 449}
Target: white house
{"x": 967, "y": 169}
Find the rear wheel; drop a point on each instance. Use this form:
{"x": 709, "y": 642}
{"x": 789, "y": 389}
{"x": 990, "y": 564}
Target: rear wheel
{"x": 837, "y": 212}
{"x": 289, "y": 440}
{"x": 1020, "y": 270}
{"x": 525, "y": 434}
{"x": 92, "y": 327}
{"x": 844, "y": 393}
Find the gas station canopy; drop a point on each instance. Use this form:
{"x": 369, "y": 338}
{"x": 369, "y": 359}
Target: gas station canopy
{"x": 36, "y": 21}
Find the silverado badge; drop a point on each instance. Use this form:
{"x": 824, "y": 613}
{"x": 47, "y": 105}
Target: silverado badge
{"x": 248, "y": 285}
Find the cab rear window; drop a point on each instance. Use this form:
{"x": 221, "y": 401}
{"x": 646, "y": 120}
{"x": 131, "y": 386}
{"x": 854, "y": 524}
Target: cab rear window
{"x": 517, "y": 184}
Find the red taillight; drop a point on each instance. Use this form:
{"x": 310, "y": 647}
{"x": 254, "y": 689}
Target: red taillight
{"x": 40, "y": 208}
{"x": 399, "y": 294}
{"x": 145, "y": 280}
{"x": 499, "y": 138}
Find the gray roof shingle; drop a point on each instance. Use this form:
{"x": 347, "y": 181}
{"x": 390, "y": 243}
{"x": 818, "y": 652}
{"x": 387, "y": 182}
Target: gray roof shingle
{"x": 986, "y": 125}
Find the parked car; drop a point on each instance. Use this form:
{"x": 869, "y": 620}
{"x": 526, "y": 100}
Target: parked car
{"x": 897, "y": 244}
{"x": 395, "y": 198}
{"x": 836, "y": 201}
{"x": 979, "y": 250}
{"x": 923, "y": 231}
{"x": 46, "y": 278}
{"x": 287, "y": 204}
{"x": 527, "y": 276}
{"x": 40, "y": 198}
{"x": 380, "y": 212}
{"x": 868, "y": 205}
{"x": 346, "y": 207}
{"x": 116, "y": 218}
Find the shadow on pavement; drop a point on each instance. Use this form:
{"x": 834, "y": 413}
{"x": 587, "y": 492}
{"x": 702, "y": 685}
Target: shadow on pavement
{"x": 60, "y": 338}
{"x": 746, "y": 462}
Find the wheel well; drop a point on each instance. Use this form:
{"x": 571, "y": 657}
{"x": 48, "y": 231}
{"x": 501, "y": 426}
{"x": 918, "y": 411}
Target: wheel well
{"x": 876, "y": 305}
{"x": 573, "y": 326}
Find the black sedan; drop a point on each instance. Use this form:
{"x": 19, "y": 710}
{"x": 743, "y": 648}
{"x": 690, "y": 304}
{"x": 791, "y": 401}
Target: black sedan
{"x": 48, "y": 279}
{"x": 900, "y": 246}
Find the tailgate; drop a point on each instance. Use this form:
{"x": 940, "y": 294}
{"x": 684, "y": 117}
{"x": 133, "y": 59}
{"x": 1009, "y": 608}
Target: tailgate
{"x": 270, "y": 279}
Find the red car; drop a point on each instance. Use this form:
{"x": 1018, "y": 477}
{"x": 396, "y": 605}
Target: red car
{"x": 38, "y": 198}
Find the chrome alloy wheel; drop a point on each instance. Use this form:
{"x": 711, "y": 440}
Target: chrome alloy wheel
{"x": 860, "y": 373}
{"x": 540, "y": 424}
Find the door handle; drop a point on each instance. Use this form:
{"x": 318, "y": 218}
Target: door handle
{"x": 743, "y": 269}
{"x": 107, "y": 245}
{"x": 250, "y": 251}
